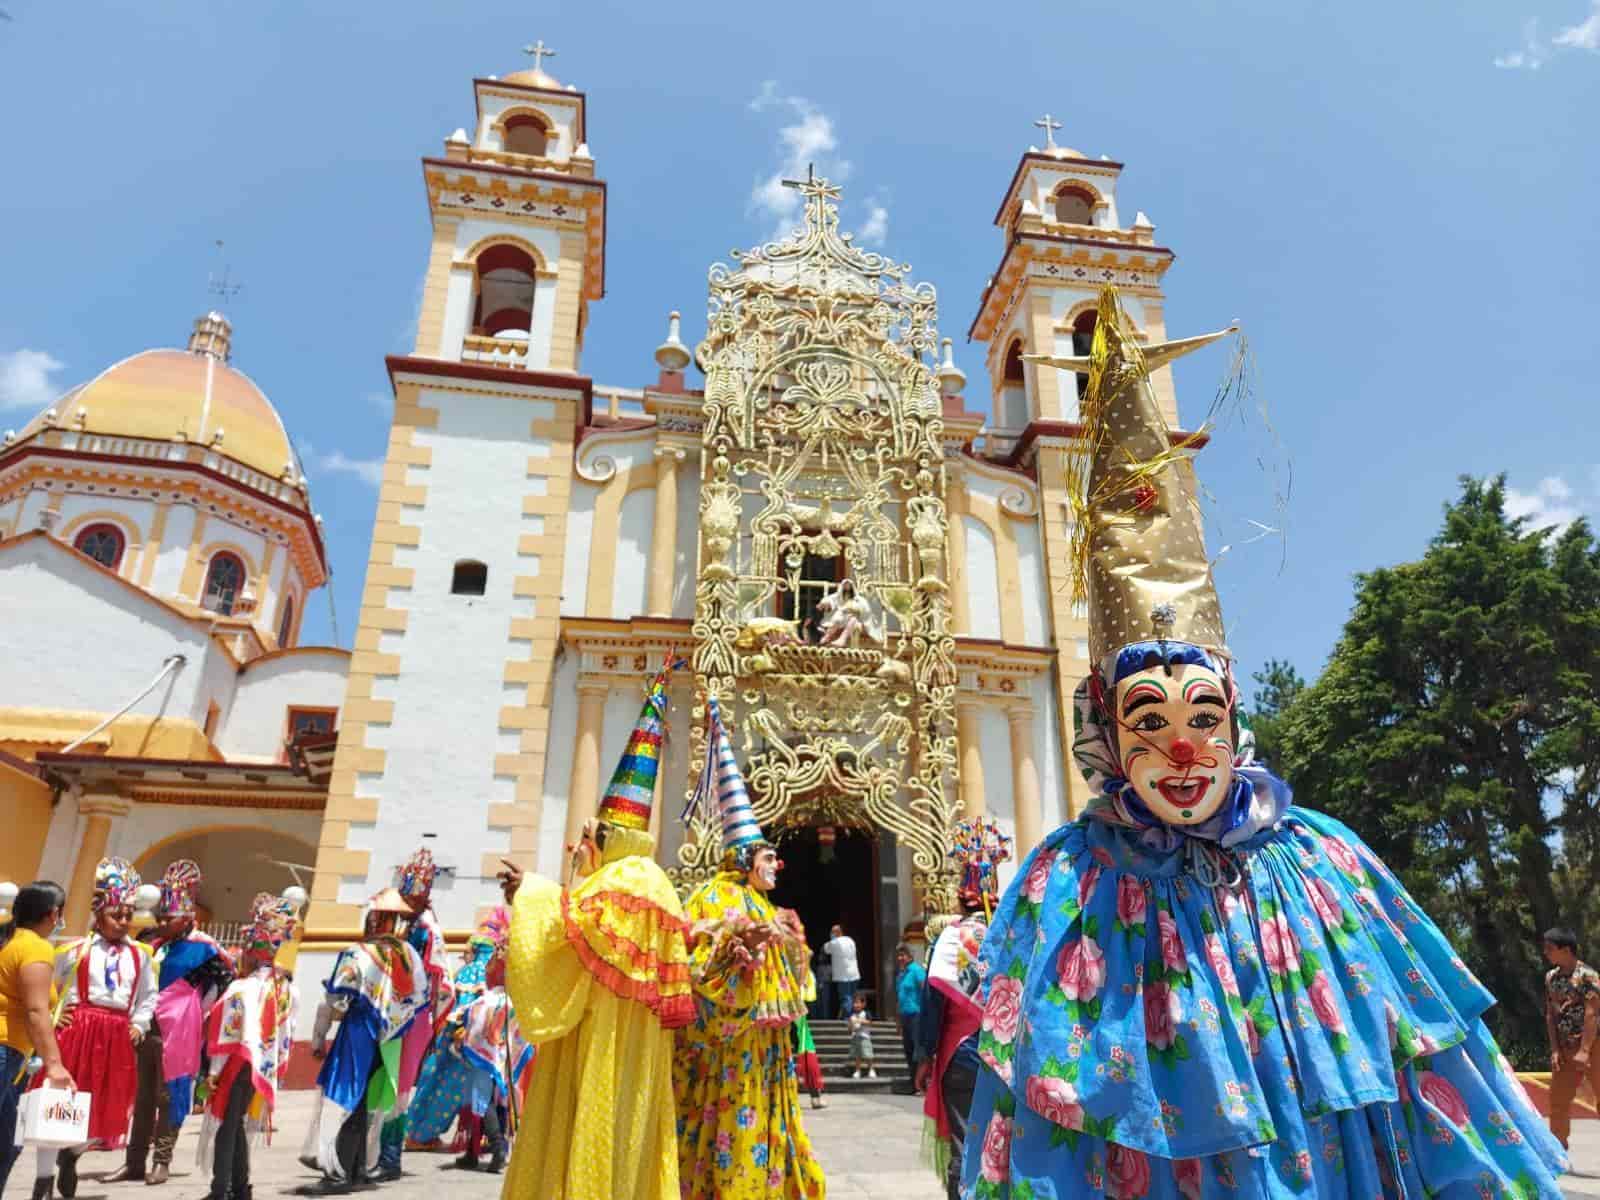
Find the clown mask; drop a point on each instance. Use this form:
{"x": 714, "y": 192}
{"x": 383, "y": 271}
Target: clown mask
{"x": 764, "y": 870}
{"x": 1175, "y": 740}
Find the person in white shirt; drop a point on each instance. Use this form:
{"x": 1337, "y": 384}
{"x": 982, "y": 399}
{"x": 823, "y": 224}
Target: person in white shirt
{"x": 841, "y": 951}
{"x": 108, "y": 989}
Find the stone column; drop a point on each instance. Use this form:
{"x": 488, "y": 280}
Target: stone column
{"x": 98, "y": 812}
{"x": 970, "y": 748}
{"x": 1024, "y": 779}
{"x": 664, "y": 537}
{"x": 583, "y": 793}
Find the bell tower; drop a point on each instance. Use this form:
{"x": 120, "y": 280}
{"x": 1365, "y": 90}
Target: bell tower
{"x": 1065, "y": 237}
{"x": 446, "y": 717}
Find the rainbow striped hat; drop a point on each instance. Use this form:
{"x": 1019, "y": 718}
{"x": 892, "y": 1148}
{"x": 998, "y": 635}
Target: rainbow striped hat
{"x": 739, "y": 825}
{"x": 632, "y": 790}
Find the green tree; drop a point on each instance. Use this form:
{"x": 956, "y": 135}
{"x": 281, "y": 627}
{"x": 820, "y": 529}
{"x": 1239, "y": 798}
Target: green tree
{"x": 1278, "y": 684}
{"x": 1457, "y": 729}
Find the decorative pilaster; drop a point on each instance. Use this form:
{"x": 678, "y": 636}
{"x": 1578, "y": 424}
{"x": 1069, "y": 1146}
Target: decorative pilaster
{"x": 664, "y": 536}
{"x": 583, "y": 794}
{"x": 1024, "y": 779}
{"x": 971, "y": 749}
{"x": 98, "y": 813}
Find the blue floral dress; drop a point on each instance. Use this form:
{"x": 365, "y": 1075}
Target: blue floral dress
{"x": 1167, "y": 1019}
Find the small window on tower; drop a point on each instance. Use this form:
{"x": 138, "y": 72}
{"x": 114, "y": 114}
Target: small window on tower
{"x": 526, "y": 134}
{"x": 1074, "y": 207}
{"x": 505, "y": 292}
{"x": 471, "y": 578}
{"x": 103, "y": 543}
{"x": 224, "y": 580}
{"x": 1083, "y": 343}
{"x": 1011, "y": 409}
{"x": 286, "y": 624}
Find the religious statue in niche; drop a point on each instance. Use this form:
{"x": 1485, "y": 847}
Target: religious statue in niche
{"x": 847, "y": 618}
{"x": 926, "y": 520}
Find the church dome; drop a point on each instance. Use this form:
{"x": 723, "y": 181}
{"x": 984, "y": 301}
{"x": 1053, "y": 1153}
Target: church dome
{"x": 535, "y": 77}
{"x": 193, "y": 394}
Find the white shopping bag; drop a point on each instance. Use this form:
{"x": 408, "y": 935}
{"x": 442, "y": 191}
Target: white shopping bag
{"x": 51, "y": 1116}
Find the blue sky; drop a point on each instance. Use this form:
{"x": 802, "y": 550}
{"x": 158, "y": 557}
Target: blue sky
{"x": 1397, "y": 200}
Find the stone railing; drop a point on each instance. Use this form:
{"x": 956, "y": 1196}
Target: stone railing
{"x": 500, "y": 352}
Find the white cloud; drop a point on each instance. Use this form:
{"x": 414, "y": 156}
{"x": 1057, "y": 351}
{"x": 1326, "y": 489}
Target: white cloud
{"x": 1551, "y": 505}
{"x": 25, "y": 379}
{"x": 1536, "y": 51}
{"x": 1585, "y": 35}
{"x": 874, "y": 230}
{"x": 809, "y": 140}
{"x": 368, "y": 470}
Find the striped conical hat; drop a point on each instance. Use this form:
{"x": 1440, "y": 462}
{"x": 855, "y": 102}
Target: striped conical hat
{"x": 739, "y": 826}
{"x": 631, "y": 792}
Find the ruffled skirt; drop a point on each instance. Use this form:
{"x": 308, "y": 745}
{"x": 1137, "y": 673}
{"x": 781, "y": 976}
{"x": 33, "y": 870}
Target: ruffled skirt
{"x": 97, "y": 1053}
{"x": 1299, "y": 1029}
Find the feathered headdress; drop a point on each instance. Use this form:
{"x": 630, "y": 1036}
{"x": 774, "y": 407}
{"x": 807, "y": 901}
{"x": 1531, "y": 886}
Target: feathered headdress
{"x": 979, "y": 847}
{"x": 271, "y": 923}
{"x": 494, "y": 927}
{"x": 417, "y": 875}
{"x": 180, "y": 884}
{"x": 115, "y": 882}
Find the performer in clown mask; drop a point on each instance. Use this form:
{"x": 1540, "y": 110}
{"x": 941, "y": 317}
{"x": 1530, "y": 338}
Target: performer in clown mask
{"x": 739, "y": 1128}
{"x": 1198, "y": 989}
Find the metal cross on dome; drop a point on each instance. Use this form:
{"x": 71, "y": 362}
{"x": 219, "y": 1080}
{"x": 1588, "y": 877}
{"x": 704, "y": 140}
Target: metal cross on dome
{"x": 1049, "y": 125}
{"x": 540, "y": 52}
{"x": 812, "y": 185}
{"x": 222, "y": 287}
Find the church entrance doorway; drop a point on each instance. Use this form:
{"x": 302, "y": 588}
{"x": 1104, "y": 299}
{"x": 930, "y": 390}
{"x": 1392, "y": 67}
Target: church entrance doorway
{"x": 830, "y": 877}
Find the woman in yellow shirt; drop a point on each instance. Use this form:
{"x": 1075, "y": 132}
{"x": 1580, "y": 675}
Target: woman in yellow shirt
{"x": 27, "y": 963}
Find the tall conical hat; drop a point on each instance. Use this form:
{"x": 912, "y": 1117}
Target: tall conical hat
{"x": 180, "y": 884}
{"x": 1138, "y": 554}
{"x": 723, "y": 778}
{"x": 631, "y": 792}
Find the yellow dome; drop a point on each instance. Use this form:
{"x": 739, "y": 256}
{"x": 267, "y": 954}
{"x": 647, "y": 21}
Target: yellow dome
{"x": 535, "y": 77}
{"x": 162, "y": 394}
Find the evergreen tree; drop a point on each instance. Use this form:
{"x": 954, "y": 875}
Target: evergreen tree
{"x": 1278, "y": 685}
{"x": 1457, "y": 729}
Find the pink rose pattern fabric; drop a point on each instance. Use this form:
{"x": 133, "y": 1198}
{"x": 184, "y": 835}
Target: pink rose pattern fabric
{"x": 1306, "y": 1033}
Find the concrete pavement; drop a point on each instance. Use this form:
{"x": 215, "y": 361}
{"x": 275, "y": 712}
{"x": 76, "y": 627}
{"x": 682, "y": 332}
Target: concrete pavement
{"x": 868, "y": 1145}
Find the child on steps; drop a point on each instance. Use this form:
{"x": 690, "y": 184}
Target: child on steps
{"x": 861, "y": 1039}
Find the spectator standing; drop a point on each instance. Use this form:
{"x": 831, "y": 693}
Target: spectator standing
{"x": 824, "y": 977}
{"x": 844, "y": 970}
{"x": 908, "y": 980}
{"x": 27, "y": 963}
{"x": 861, "y": 1057}
{"x": 1572, "y": 1017}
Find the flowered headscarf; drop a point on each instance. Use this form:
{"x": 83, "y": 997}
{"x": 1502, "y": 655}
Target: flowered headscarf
{"x": 1255, "y": 801}
{"x": 115, "y": 882}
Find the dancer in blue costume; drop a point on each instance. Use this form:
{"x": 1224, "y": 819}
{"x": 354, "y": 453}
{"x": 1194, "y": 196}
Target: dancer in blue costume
{"x": 1198, "y": 989}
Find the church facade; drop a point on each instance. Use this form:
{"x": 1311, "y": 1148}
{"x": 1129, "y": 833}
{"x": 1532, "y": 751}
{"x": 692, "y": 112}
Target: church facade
{"x": 869, "y": 572}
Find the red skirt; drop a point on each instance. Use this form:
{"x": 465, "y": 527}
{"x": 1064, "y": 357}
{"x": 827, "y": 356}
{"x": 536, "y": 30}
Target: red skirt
{"x": 96, "y": 1051}
{"x": 809, "y": 1068}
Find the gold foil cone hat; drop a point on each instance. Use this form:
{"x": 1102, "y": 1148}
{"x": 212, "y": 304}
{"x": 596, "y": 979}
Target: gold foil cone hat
{"x": 1138, "y": 554}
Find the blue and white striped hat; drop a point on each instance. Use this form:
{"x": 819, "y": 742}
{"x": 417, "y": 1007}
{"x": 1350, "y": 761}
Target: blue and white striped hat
{"x": 739, "y": 826}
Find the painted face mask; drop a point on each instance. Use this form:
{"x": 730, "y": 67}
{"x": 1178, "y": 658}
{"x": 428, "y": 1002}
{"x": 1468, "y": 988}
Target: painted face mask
{"x": 1175, "y": 740}
{"x": 764, "y": 874}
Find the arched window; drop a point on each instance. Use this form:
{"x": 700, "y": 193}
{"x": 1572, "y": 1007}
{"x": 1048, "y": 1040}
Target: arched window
{"x": 1074, "y": 206}
{"x": 224, "y": 582}
{"x": 1012, "y": 407}
{"x": 286, "y": 623}
{"x": 471, "y": 578}
{"x": 505, "y": 292}
{"x": 1082, "y": 343}
{"x": 103, "y": 543}
{"x": 527, "y": 134}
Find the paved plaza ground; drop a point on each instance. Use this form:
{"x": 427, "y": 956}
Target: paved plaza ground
{"x": 868, "y": 1146}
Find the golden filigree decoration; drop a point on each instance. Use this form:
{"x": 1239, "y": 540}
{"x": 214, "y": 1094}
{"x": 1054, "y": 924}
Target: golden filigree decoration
{"x": 823, "y": 444}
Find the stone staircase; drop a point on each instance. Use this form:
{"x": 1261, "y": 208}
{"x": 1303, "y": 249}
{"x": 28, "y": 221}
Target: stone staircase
{"x": 833, "y": 1049}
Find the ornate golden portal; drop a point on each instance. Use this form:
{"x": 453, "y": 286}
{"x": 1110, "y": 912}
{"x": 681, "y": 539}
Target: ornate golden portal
{"x": 821, "y": 612}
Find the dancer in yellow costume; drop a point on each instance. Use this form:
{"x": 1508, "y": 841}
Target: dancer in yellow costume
{"x": 598, "y": 975}
{"x": 739, "y": 1128}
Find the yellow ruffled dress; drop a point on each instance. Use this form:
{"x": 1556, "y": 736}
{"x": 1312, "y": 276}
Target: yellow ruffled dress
{"x": 740, "y": 1134}
{"x": 599, "y": 978}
